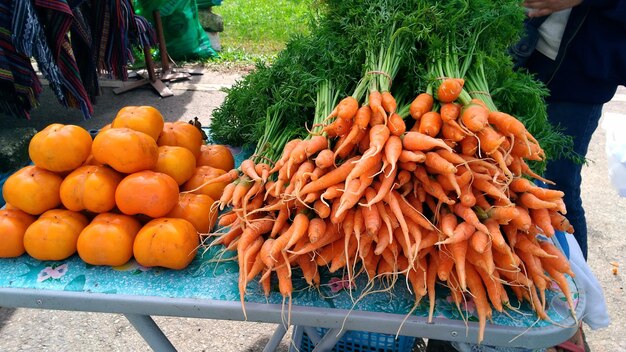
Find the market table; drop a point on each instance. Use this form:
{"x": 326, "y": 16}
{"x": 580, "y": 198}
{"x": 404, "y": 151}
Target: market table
{"x": 208, "y": 289}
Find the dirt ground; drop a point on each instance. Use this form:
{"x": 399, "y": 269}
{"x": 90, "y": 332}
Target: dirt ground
{"x": 40, "y": 330}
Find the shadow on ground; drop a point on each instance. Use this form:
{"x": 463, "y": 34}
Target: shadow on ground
{"x": 174, "y": 108}
{"x": 5, "y": 315}
{"x": 259, "y": 345}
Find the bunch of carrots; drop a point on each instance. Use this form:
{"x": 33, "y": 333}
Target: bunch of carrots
{"x": 438, "y": 191}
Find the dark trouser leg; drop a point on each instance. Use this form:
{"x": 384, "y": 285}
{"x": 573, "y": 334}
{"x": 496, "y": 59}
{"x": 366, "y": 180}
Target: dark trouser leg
{"x": 578, "y": 121}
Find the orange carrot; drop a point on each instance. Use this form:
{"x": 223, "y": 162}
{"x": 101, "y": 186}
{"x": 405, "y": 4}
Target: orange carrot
{"x": 561, "y": 280}
{"x": 227, "y": 219}
{"x": 430, "y": 123}
{"x": 439, "y": 164}
{"x": 492, "y": 287}
{"x": 459, "y": 252}
{"x": 409, "y": 166}
{"x": 450, "y": 112}
{"x": 388, "y": 102}
{"x": 490, "y": 189}
{"x": 394, "y": 206}
{"x": 480, "y": 242}
{"x": 378, "y": 113}
{"x": 520, "y": 185}
{"x": 378, "y": 137}
{"x": 560, "y": 222}
{"x": 287, "y": 149}
{"x": 331, "y": 178}
{"x": 446, "y": 263}
{"x": 523, "y": 220}
{"x": 560, "y": 262}
{"x": 431, "y": 279}
{"x": 450, "y": 89}
{"x": 396, "y": 125}
{"x": 531, "y": 201}
{"x": 469, "y": 145}
{"x": 497, "y": 239}
{"x": 526, "y": 245}
{"x": 421, "y": 105}
{"x": 462, "y": 232}
{"x": 490, "y": 140}
{"x": 541, "y": 218}
{"x": 503, "y": 215}
{"x": 412, "y": 156}
{"x": 371, "y": 217}
{"x": 416, "y": 141}
{"x": 470, "y": 217}
{"x": 483, "y": 309}
{"x": 410, "y": 212}
{"x": 309, "y": 270}
{"x": 339, "y": 127}
{"x": 393, "y": 149}
{"x": 361, "y": 121}
{"x": 448, "y": 223}
{"x": 248, "y": 168}
{"x": 317, "y": 228}
{"x": 452, "y": 132}
{"x": 346, "y": 109}
{"x": 475, "y": 117}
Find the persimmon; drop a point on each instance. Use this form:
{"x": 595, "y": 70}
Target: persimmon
{"x": 178, "y": 162}
{"x": 13, "y": 225}
{"x": 146, "y": 119}
{"x": 217, "y": 156}
{"x": 202, "y": 175}
{"x": 54, "y": 235}
{"x": 90, "y": 188}
{"x": 33, "y": 189}
{"x": 197, "y": 209}
{"x": 147, "y": 192}
{"x": 108, "y": 239}
{"x": 60, "y": 147}
{"x": 181, "y": 134}
{"x": 125, "y": 150}
{"x": 166, "y": 242}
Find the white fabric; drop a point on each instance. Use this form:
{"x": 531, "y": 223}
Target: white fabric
{"x": 615, "y": 126}
{"x": 551, "y": 32}
{"x": 596, "y": 314}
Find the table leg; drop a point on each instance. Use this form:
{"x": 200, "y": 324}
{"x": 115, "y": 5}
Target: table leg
{"x": 329, "y": 340}
{"x": 296, "y": 336}
{"x": 274, "y": 341}
{"x": 150, "y": 332}
{"x": 312, "y": 334}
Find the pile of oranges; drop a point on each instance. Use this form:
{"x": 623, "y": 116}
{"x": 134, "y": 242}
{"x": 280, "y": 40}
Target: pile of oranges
{"x": 136, "y": 189}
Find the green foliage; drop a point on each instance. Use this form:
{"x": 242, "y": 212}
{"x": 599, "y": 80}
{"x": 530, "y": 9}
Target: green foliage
{"x": 346, "y": 41}
{"x": 261, "y": 27}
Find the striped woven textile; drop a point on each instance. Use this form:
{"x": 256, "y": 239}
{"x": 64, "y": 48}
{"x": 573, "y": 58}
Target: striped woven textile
{"x": 73, "y": 41}
{"x": 57, "y": 17}
{"x": 19, "y": 86}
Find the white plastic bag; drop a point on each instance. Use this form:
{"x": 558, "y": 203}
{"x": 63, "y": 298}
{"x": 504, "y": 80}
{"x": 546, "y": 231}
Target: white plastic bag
{"x": 615, "y": 127}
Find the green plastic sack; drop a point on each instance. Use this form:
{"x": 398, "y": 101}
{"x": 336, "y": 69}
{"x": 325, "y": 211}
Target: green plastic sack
{"x": 183, "y": 33}
{"x": 205, "y": 4}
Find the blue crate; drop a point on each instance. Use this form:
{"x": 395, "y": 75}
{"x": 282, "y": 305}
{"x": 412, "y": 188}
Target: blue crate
{"x": 362, "y": 341}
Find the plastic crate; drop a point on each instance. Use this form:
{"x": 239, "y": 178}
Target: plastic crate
{"x": 362, "y": 341}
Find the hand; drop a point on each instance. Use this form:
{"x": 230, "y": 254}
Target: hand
{"x": 540, "y": 8}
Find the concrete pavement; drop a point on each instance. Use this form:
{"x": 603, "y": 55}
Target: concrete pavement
{"x": 42, "y": 330}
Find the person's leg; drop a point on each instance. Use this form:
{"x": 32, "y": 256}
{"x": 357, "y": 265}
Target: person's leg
{"x": 578, "y": 121}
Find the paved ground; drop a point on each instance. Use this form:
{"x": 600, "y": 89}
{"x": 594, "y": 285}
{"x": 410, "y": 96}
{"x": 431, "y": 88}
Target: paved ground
{"x": 37, "y": 330}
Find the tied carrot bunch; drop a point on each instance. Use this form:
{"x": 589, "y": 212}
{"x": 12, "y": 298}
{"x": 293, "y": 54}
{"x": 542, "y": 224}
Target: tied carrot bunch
{"x": 444, "y": 197}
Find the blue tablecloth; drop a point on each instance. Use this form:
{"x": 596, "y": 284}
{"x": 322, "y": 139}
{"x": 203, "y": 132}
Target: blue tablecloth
{"x": 213, "y": 276}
